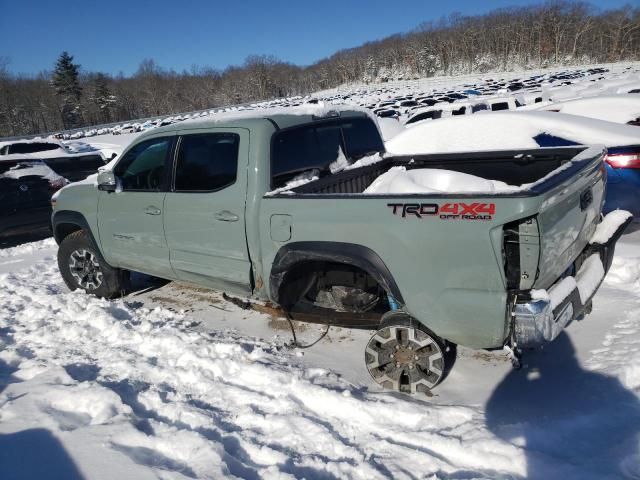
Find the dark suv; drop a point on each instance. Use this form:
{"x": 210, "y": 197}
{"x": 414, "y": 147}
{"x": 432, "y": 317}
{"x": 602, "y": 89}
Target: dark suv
{"x": 26, "y": 188}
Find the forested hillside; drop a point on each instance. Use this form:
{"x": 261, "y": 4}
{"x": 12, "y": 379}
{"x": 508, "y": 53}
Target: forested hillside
{"x": 548, "y": 35}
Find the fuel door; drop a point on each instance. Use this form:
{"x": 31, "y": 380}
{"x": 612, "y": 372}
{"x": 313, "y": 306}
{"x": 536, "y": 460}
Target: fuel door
{"x": 281, "y": 228}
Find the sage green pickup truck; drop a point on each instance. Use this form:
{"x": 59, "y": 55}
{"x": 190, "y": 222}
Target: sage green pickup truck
{"x": 272, "y": 206}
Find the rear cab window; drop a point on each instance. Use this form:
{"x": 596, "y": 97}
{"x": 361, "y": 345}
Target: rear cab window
{"x": 311, "y": 148}
{"x": 206, "y": 162}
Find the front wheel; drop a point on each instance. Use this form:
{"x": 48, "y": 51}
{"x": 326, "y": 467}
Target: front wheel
{"x": 82, "y": 267}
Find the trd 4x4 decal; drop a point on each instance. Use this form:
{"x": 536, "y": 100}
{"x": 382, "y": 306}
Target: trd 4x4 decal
{"x": 447, "y": 211}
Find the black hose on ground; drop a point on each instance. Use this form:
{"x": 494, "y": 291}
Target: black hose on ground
{"x": 246, "y": 305}
{"x": 295, "y": 343}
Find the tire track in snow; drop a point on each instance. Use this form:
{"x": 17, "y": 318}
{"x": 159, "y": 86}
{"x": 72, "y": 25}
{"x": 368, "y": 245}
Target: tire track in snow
{"x": 620, "y": 351}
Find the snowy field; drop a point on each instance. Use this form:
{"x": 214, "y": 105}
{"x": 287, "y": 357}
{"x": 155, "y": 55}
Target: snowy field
{"x": 174, "y": 382}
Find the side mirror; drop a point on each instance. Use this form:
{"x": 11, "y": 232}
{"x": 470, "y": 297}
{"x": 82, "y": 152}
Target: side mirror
{"x": 107, "y": 181}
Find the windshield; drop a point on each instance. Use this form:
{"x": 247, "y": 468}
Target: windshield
{"x": 316, "y": 146}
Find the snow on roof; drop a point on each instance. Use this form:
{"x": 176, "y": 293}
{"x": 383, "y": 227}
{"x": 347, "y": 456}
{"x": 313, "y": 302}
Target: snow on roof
{"x": 32, "y": 140}
{"x": 507, "y": 130}
{"x": 612, "y": 108}
{"x": 320, "y": 109}
{"x": 64, "y": 149}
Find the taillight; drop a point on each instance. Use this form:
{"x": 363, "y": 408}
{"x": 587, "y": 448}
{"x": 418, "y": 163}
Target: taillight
{"x": 623, "y": 160}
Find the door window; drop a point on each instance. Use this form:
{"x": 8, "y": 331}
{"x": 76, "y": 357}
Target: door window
{"x": 207, "y": 162}
{"x": 143, "y": 167}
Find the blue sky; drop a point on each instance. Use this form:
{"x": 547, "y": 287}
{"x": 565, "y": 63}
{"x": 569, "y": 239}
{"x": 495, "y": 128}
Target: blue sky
{"x": 114, "y": 36}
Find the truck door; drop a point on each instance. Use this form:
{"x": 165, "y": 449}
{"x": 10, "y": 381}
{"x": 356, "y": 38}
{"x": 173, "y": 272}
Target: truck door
{"x": 130, "y": 219}
{"x": 204, "y": 219}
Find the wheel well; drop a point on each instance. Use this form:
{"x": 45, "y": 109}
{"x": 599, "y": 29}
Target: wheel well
{"x": 295, "y": 260}
{"x": 311, "y": 276}
{"x": 63, "y": 230}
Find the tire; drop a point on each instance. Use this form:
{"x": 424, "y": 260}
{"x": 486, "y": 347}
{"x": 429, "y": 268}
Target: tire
{"x": 82, "y": 267}
{"x": 403, "y": 355}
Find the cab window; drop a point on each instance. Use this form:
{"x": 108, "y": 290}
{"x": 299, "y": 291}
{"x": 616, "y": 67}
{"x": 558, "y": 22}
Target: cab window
{"x": 206, "y": 162}
{"x": 143, "y": 168}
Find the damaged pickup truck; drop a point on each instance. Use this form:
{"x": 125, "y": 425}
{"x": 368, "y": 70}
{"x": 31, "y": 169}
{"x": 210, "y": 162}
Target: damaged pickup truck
{"x": 277, "y": 206}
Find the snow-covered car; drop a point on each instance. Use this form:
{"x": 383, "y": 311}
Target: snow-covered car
{"x": 612, "y": 108}
{"x": 27, "y": 147}
{"x": 26, "y": 188}
{"x": 532, "y": 129}
{"x": 503, "y": 103}
{"x": 72, "y": 160}
{"x": 446, "y": 110}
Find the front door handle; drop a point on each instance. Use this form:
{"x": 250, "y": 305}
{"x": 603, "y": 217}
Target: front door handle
{"x": 226, "y": 216}
{"x": 151, "y": 210}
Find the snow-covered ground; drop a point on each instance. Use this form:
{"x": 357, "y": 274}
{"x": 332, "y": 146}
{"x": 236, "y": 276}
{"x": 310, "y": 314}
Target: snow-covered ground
{"x": 175, "y": 382}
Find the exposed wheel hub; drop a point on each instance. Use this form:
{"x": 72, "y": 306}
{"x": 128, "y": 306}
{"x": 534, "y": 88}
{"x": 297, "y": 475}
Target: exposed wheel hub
{"x": 405, "y": 359}
{"x": 85, "y": 269}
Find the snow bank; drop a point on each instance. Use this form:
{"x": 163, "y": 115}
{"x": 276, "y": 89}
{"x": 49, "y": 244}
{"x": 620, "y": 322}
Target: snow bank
{"x": 399, "y": 180}
{"x": 620, "y": 351}
{"x": 624, "y": 272}
{"x": 27, "y": 248}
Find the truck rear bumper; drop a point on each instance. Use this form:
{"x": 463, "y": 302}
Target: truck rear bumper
{"x": 545, "y": 313}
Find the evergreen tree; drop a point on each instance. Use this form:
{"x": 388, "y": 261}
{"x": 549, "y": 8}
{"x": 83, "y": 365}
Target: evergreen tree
{"x": 102, "y": 97}
{"x": 68, "y": 90}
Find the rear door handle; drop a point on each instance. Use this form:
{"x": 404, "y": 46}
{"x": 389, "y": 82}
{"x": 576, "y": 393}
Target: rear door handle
{"x": 226, "y": 216}
{"x": 151, "y": 210}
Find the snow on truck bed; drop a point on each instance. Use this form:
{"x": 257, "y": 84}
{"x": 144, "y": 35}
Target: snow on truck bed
{"x": 399, "y": 180}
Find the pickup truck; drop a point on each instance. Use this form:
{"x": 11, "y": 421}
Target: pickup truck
{"x": 258, "y": 205}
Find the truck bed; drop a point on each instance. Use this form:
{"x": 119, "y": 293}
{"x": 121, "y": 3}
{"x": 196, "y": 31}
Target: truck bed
{"x": 454, "y": 267}
{"x": 512, "y": 167}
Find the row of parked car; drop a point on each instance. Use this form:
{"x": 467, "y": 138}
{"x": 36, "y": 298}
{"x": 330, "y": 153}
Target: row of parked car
{"x": 487, "y": 95}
